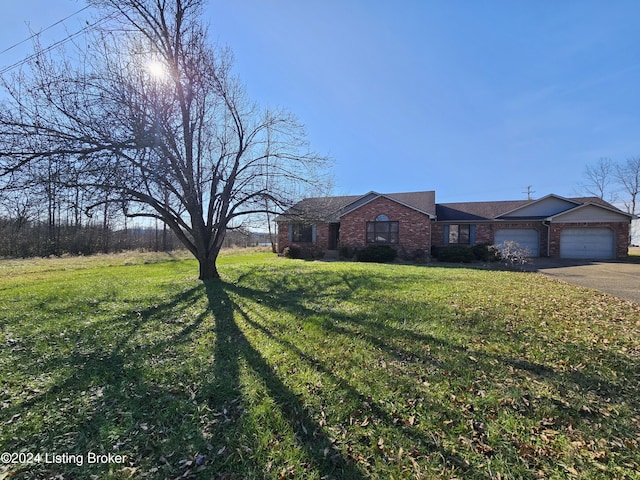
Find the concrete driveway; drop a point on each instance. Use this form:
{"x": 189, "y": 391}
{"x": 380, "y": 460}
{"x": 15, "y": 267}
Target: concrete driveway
{"x": 617, "y": 278}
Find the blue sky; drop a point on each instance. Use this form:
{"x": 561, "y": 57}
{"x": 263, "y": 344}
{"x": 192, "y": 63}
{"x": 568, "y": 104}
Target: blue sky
{"x": 473, "y": 99}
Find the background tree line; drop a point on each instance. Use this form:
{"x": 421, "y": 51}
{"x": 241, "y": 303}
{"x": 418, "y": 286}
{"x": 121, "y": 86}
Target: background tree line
{"x": 48, "y": 219}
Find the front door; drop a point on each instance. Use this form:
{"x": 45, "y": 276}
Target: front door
{"x": 334, "y": 235}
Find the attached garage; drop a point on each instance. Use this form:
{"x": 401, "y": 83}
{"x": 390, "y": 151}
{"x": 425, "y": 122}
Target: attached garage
{"x": 588, "y": 243}
{"x": 526, "y": 237}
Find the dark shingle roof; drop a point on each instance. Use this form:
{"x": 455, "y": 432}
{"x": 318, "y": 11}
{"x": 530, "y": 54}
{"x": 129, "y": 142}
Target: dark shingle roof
{"x": 423, "y": 201}
{"x": 323, "y": 209}
{"x": 476, "y": 210}
{"x": 329, "y": 209}
{"x": 467, "y": 211}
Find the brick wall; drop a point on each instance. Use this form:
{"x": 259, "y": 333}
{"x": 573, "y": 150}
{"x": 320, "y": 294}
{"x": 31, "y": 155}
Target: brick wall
{"x": 417, "y": 231}
{"x": 484, "y": 233}
{"x": 322, "y": 237}
{"x": 414, "y": 228}
{"x": 620, "y": 232}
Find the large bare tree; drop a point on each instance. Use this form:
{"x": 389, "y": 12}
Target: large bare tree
{"x": 147, "y": 114}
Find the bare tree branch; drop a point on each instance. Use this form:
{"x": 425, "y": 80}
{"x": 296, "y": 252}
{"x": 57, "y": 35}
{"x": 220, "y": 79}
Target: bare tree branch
{"x": 628, "y": 175}
{"x": 186, "y": 147}
{"x": 599, "y": 178}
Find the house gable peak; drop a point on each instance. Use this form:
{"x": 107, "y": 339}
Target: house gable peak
{"x": 543, "y": 207}
{"x": 423, "y": 202}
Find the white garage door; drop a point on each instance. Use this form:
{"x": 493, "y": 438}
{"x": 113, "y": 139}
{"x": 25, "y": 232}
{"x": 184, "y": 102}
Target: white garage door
{"x": 587, "y": 243}
{"x": 525, "y": 237}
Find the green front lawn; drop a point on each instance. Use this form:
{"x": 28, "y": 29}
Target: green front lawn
{"x": 293, "y": 369}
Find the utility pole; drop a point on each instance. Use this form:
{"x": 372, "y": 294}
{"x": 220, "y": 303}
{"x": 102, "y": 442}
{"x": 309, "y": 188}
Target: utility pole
{"x": 529, "y": 192}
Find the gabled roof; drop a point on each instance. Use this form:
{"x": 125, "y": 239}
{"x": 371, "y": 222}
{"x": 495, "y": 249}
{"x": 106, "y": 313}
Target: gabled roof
{"x": 581, "y": 211}
{"x": 423, "y": 202}
{"x": 543, "y": 208}
{"x": 330, "y": 209}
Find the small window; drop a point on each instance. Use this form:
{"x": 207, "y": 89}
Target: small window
{"x": 301, "y": 233}
{"x": 382, "y": 231}
{"x": 459, "y": 234}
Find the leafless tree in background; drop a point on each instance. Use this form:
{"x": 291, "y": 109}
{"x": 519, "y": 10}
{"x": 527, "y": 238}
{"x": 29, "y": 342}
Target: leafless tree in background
{"x": 599, "y": 179}
{"x": 149, "y": 116}
{"x": 628, "y": 176}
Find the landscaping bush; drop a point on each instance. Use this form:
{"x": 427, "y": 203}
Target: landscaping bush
{"x": 513, "y": 254}
{"x": 486, "y": 252}
{"x": 292, "y": 252}
{"x": 305, "y": 253}
{"x": 453, "y": 254}
{"x": 347, "y": 252}
{"x": 419, "y": 256}
{"x": 377, "y": 254}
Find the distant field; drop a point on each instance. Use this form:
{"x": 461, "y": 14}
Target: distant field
{"x": 293, "y": 369}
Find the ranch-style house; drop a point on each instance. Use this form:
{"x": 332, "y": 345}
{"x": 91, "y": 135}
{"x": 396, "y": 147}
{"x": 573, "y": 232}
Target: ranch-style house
{"x": 410, "y": 222}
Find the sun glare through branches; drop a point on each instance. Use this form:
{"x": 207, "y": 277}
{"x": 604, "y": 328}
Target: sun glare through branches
{"x": 157, "y": 69}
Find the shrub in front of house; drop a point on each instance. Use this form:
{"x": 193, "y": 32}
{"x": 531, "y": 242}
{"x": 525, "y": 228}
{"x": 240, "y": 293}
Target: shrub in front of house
{"x": 347, "y": 252}
{"x": 485, "y": 252}
{"x": 513, "y": 254}
{"x": 377, "y": 254}
{"x": 453, "y": 254}
{"x": 304, "y": 253}
{"x": 292, "y": 251}
{"x": 419, "y": 256}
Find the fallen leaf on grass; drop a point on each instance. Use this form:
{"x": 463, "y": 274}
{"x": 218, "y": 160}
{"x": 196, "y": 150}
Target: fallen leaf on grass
{"x": 128, "y": 471}
{"x": 570, "y": 469}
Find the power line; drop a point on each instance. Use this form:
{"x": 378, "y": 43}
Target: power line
{"x": 57, "y": 44}
{"x": 44, "y": 30}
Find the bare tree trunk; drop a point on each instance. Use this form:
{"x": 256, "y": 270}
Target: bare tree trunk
{"x": 208, "y": 269}
{"x": 105, "y": 229}
{"x": 271, "y": 238}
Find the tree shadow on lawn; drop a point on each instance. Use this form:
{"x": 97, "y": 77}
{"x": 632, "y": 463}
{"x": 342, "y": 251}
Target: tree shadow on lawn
{"x": 297, "y": 297}
{"x": 186, "y": 422}
{"x": 419, "y": 444}
{"x": 567, "y": 386}
{"x": 163, "y": 424}
{"x": 232, "y": 349}
{"x": 98, "y": 397}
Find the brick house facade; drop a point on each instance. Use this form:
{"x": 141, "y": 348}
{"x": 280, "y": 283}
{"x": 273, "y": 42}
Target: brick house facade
{"x": 412, "y": 222}
{"x": 414, "y": 227}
